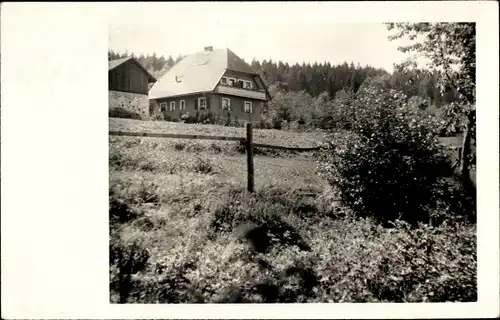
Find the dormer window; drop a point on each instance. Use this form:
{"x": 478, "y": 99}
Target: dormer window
{"x": 248, "y": 85}
{"x": 223, "y": 80}
{"x": 232, "y": 82}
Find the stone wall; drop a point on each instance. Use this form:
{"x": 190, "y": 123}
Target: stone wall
{"x": 135, "y": 102}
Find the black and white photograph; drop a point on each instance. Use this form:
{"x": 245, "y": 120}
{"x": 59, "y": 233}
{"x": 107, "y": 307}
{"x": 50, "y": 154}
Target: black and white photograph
{"x": 249, "y": 159}
{"x": 251, "y": 164}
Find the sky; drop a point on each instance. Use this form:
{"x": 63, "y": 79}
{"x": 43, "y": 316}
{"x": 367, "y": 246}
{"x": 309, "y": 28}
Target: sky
{"x": 286, "y": 32}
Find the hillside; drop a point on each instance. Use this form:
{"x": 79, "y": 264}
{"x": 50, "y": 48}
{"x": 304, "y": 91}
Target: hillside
{"x": 268, "y": 136}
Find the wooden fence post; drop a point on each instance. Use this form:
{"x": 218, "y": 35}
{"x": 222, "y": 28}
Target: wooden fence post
{"x": 250, "y": 157}
{"x": 459, "y": 158}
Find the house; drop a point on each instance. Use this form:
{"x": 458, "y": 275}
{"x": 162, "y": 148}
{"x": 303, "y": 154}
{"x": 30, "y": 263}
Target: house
{"x": 211, "y": 81}
{"x": 128, "y": 85}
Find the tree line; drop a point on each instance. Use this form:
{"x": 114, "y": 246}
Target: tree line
{"x": 156, "y": 65}
{"x": 318, "y": 78}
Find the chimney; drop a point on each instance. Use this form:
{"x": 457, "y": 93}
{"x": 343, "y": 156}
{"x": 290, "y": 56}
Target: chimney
{"x": 209, "y": 49}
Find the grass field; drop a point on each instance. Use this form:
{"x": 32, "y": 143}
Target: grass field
{"x": 179, "y": 208}
{"x": 269, "y": 136}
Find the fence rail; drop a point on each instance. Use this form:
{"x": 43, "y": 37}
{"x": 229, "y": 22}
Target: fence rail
{"x": 248, "y": 141}
{"x": 174, "y": 135}
{"x": 269, "y": 146}
{"x": 205, "y": 137}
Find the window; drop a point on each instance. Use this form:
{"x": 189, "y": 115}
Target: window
{"x": 172, "y": 105}
{"x": 223, "y": 80}
{"x": 182, "y": 105}
{"x": 248, "y": 107}
{"x": 232, "y": 82}
{"x": 240, "y": 84}
{"x": 248, "y": 85}
{"x": 202, "y": 103}
{"x": 163, "y": 106}
{"x": 226, "y": 104}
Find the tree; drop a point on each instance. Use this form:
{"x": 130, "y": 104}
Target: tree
{"x": 256, "y": 65}
{"x": 170, "y": 61}
{"x": 381, "y": 133}
{"x": 450, "y": 49}
{"x": 179, "y": 58}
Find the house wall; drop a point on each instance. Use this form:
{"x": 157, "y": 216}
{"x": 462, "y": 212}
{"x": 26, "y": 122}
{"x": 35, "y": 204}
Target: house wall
{"x": 242, "y": 76}
{"x": 128, "y": 77}
{"x": 214, "y": 104}
{"x": 190, "y": 105}
{"x": 237, "y": 111}
{"x": 135, "y": 102}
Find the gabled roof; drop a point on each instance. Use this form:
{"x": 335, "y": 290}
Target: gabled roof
{"x": 198, "y": 72}
{"x": 115, "y": 63}
{"x": 112, "y": 64}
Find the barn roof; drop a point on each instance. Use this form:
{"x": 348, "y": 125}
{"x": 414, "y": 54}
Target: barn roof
{"x": 198, "y": 72}
{"x": 112, "y": 64}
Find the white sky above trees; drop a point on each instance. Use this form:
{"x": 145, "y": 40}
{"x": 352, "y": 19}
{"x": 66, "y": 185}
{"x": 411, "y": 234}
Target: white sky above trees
{"x": 291, "y": 32}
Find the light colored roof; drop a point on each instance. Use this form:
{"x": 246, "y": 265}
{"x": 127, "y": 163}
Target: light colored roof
{"x": 199, "y": 72}
{"x": 115, "y": 63}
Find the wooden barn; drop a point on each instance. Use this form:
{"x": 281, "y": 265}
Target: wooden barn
{"x": 128, "y": 85}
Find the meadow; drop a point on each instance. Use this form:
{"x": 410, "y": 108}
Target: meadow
{"x": 183, "y": 228}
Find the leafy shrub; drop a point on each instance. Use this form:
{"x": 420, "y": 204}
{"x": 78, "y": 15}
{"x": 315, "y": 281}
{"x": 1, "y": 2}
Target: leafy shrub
{"x": 178, "y": 146}
{"x": 171, "y": 287}
{"x": 194, "y": 147}
{"x": 187, "y": 118}
{"x": 120, "y": 211}
{"x": 129, "y": 195}
{"x": 123, "y": 113}
{"x": 390, "y": 164}
{"x": 263, "y": 123}
{"x": 215, "y": 148}
{"x": 295, "y": 254}
{"x": 241, "y": 147}
{"x": 201, "y": 165}
{"x": 144, "y": 224}
{"x": 205, "y": 117}
{"x": 157, "y": 116}
{"x": 416, "y": 272}
{"x": 125, "y": 260}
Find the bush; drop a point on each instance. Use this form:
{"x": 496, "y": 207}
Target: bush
{"x": 275, "y": 245}
{"x": 205, "y": 117}
{"x": 124, "y": 113}
{"x": 201, "y": 165}
{"x": 187, "y": 118}
{"x": 120, "y": 212}
{"x": 390, "y": 163}
{"x": 178, "y": 146}
{"x": 155, "y": 113}
{"x": 124, "y": 261}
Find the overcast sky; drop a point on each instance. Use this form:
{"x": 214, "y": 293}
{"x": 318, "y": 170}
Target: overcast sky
{"x": 291, "y": 32}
